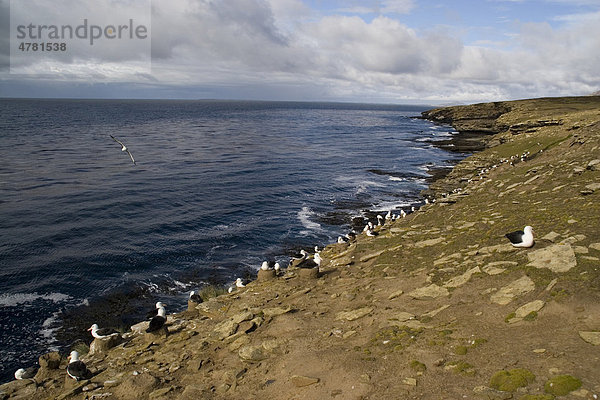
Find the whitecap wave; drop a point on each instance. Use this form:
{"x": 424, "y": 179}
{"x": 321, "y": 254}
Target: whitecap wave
{"x": 304, "y": 216}
{"x": 16, "y": 299}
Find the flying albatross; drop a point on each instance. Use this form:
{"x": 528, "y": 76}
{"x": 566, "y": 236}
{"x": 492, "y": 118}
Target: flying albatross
{"x": 522, "y": 238}
{"x": 123, "y": 148}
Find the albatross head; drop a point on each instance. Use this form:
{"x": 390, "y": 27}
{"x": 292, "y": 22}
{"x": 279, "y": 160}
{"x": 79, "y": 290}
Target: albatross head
{"x": 74, "y": 356}
{"x": 19, "y": 373}
{"x": 93, "y": 328}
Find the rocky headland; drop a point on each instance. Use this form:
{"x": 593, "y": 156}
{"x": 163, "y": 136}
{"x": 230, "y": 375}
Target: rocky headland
{"x": 438, "y": 305}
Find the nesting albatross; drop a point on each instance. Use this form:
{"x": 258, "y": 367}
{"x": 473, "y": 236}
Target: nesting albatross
{"x": 522, "y": 238}
{"x": 76, "y": 368}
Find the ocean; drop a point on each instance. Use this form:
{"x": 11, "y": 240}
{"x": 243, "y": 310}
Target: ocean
{"x": 88, "y": 237}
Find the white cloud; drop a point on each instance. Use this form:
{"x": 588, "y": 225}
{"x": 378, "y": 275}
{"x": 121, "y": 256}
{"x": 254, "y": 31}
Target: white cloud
{"x": 279, "y": 48}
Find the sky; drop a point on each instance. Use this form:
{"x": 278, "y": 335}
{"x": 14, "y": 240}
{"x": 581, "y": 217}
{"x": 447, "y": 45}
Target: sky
{"x": 373, "y": 51}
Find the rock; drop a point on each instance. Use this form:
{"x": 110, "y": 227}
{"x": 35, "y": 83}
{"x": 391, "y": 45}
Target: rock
{"x": 193, "y": 392}
{"x": 267, "y": 275}
{"x": 460, "y": 280}
{"x": 250, "y": 353}
{"x": 409, "y": 381}
{"x": 136, "y": 386}
{"x": 403, "y": 316}
{"x": 593, "y": 186}
{"x": 493, "y": 270}
{"x": 595, "y": 246}
{"x": 551, "y": 237}
{"x": 50, "y": 360}
{"x": 557, "y": 258}
{"x": 302, "y": 381}
{"x": 225, "y": 329}
{"x": 593, "y": 165}
{"x": 491, "y": 394}
{"x": 395, "y": 294}
{"x": 516, "y": 288}
{"x": 275, "y": 311}
{"x": 23, "y": 388}
{"x": 212, "y": 308}
{"x": 431, "y": 291}
{"x": 308, "y": 273}
{"x": 428, "y": 242}
{"x": 99, "y": 346}
{"x": 242, "y": 316}
{"x": 525, "y": 310}
{"x": 435, "y": 312}
{"x": 354, "y": 314}
{"x": 160, "y": 393}
{"x": 590, "y": 337}
{"x": 140, "y": 327}
{"x": 528, "y": 308}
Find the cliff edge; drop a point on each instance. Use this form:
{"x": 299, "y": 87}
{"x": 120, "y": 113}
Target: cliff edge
{"x": 438, "y": 305}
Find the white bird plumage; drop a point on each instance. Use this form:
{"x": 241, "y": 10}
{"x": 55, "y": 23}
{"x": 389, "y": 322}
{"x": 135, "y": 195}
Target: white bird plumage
{"x": 124, "y": 148}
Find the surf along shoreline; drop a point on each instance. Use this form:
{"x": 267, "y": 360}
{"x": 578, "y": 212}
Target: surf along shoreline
{"x": 432, "y": 306}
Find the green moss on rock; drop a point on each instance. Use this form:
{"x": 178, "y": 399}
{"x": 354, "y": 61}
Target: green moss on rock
{"x": 418, "y": 366}
{"x": 460, "y": 350}
{"x": 509, "y": 381}
{"x": 562, "y": 385}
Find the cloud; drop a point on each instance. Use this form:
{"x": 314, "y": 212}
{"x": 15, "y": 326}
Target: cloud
{"x": 278, "y": 49}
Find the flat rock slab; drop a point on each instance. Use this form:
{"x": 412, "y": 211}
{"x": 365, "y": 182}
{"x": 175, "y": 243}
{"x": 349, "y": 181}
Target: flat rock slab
{"x": 557, "y": 258}
{"x": 526, "y": 309}
{"x": 397, "y": 293}
{"x": 354, "y": 314}
{"x": 432, "y": 291}
{"x": 428, "y": 242}
{"x": 590, "y": 337}
{"x": 514, "y": 289}
{"x": 462, "y": 279}
{"x": 302, "y": 381}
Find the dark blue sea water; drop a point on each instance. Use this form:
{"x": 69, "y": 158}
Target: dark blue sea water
{"x": 86, "y": 236}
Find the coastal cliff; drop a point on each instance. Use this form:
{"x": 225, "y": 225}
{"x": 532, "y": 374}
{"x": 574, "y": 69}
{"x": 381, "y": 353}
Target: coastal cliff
{"x": 438, "y": 305}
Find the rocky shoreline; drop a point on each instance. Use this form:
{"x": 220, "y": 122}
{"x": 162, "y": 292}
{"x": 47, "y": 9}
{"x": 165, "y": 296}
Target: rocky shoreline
{"x": 437, "y": 305}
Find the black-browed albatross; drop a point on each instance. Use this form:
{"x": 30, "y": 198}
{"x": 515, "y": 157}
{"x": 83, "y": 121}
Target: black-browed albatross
{"x": 522, "y": 238}
{"x": 124, "y": 148}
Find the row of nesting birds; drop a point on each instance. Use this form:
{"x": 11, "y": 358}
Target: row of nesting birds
{"x": 77, "y": 369}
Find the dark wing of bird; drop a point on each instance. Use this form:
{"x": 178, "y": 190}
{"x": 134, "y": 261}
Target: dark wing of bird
{"x": 308, "y": 263}
{"x": 106, "y": 331}
{"x": 117, "y": 140}
{"x": 151, "y": 314}
{"x": 515, "y": 237}
{"x": 156, "y": 323}
{"x": 77, "y": 370}
{"x": 30, "y": 372}
{"x": 196, "y": 298}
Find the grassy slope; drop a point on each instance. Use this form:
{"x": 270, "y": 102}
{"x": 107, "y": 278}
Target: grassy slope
{"x": 404, "y": 347}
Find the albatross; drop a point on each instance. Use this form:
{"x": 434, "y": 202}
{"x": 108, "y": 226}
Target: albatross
{"x": 522, "y": 238}
{"x": 77, "y": 369}
{"x": 102, "y": 333}
{"x": 195, "y": 297}
{"x": 154, "y": 312}
{"x": 123, "y": 148}
{"x": 158, "y": 321}
{"x": 28, "y": 373}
